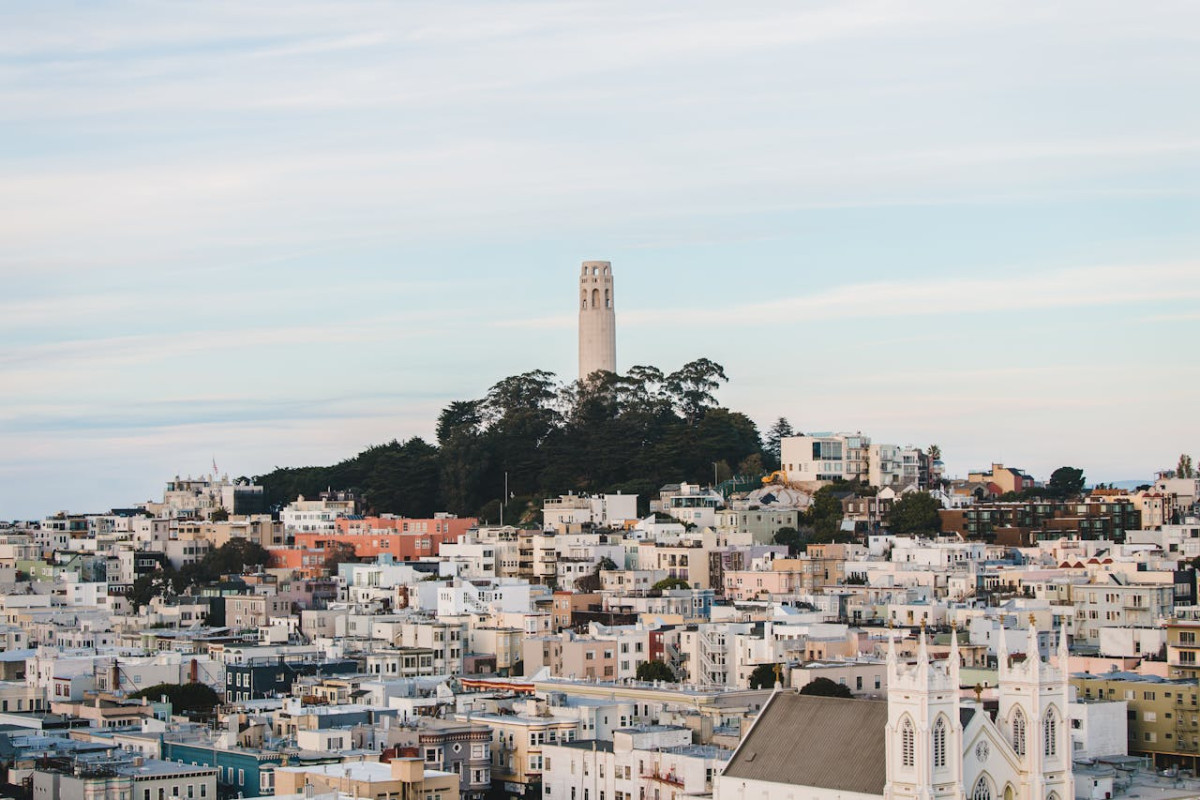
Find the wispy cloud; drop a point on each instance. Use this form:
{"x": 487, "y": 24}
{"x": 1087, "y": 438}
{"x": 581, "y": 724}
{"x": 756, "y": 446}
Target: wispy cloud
{"x": 1061, "y": 289}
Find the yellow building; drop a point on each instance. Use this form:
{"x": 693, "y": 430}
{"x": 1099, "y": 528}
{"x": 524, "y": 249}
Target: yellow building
{"x": 1164, "y": 715}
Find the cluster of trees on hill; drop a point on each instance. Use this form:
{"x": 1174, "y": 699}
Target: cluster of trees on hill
{"x": 538, "y": 437}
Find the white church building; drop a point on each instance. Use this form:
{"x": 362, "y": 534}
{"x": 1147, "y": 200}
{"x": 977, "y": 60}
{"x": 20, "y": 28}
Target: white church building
{"x": 924, "y": 743}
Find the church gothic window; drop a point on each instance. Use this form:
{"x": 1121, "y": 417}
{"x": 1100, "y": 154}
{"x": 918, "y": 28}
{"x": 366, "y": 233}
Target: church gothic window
{"x": 983, "y": 789}
{"x": 1050, "y": 734}
{"x": 939, "y": 743}
{"x": 1018, "y": 732}
{"x": 907, "y": 735}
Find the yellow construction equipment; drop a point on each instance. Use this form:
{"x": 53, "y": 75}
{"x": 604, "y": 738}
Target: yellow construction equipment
{"x": 778, "y": 476}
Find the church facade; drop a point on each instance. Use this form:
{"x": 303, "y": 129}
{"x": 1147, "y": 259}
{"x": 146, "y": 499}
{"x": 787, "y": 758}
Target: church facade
{"x": 933, "y": 745}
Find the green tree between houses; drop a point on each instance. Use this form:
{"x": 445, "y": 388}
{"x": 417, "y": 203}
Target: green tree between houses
{"x": 790, "y": 537}
{"x": 823, "y": 687}
{"x": 763, "y": 676}
{"x": 666, "y": 584}
{"x": 915, "y": 513}
{"x": 650, "y": 671}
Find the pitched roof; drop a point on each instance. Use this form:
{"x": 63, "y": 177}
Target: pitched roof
{"x": 827, "y": 742}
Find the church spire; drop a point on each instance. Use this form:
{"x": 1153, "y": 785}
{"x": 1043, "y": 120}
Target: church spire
{"x": 1002, "y": 649}
{"x": 1064, "y": 651}
{"x": 1032, "y": 651}
{"x": 955, "y": 662}
{"x": 922, "y": 650}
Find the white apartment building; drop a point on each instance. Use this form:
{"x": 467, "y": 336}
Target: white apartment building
{"x": 446, "y": 639}
{"x": 315, "y": 516}
{"x": 709, "y": 652}
{"x": 637, "y": 764}
{"x": 1181, "y": 541}
{"x": 488, "y": 596}
{"x": 823, "y": 457}
{"x": 1106, "y": 605}
{"x": 892, "y": 465}
{"x": 690, "y": 504}
{"x": 607, "y": 510}
{"x": 477, "y": 559}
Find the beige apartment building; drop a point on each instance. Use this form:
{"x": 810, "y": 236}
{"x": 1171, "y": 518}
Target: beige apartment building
{"x": 1163, "y": 715}
{"x": 688, "y": 563}
{"x": 253, "y": 611}
{"x": 369, "y": 780}
{"x": 1183, "y": 647}
{"x": 570, "y": 655}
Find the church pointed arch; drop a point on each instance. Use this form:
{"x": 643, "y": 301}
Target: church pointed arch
{"x": 1017, "y": 729}
{"x": 908, "y": 742}
{"x": 941, "y": 733}
{"x": 983, "y": 789}
{"x": 1050, "y": 732}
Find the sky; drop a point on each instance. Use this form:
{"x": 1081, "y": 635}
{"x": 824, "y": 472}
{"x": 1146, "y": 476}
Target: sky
{"x": 275, "y": 233}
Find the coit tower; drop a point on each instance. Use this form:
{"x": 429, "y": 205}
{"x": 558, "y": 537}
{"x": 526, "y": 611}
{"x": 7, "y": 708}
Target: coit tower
{"x": 597, "y": 319}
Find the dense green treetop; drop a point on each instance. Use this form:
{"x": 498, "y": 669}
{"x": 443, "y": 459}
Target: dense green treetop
{"x": 915, "y": 513}
{"x": 631, "y": 433}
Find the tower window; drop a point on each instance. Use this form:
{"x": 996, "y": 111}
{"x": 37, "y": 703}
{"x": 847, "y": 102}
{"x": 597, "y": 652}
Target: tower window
{"x": 983, "y": 789}
{"x": 907, "y": 736}
{"x": 1050, "y": 734}
{"x": 939, "y": 743}
{"x": 595, "y": 298}
{"x": 1018, "y": 732}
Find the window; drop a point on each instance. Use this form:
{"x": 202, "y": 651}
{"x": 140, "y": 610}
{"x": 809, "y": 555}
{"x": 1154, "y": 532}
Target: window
{"x": 906, "y": 743}
{"x": 983, "y": 789}
{"x": 1018, "y": 732}
{"x": 939, "y": 743}
{"x": 1050, "y": 733}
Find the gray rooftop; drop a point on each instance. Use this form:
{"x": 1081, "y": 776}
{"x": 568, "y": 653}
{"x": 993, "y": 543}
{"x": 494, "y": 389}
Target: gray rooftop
{"x": 803, "y": 740}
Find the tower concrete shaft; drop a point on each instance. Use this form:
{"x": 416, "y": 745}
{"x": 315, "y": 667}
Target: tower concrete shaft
{"x": 597, "y": 319}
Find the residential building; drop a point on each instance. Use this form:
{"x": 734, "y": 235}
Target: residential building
{"x": 402, "y": 778}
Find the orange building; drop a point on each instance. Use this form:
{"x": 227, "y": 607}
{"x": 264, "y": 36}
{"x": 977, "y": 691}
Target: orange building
{"x": 404, "y": 539}
{"x": 304, "y": 562}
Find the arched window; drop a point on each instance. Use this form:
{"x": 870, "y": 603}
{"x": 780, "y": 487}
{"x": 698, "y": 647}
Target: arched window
{"x": 583, "y": 300}
{"x": 595, "y": 298}
{"x": 1052, "y": 796}
{"x": 983, "y": 789}
{"x": 607, "y": 299}
{"x": 939, "y": 743}
{"x": 907, "y": 737}
{"x": 1050, "y": 734}
{"x": 1018, "y": 732}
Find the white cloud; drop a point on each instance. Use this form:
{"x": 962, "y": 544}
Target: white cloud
{"x": 1060, "y": 289}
